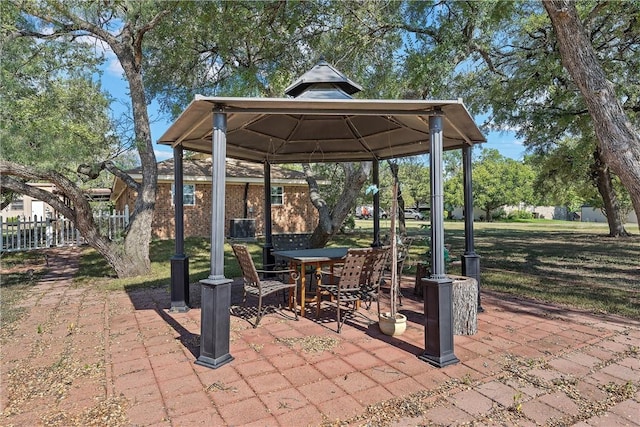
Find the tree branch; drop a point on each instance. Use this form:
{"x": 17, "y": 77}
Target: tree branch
{"x": 66, "y": 186}
{"x": 137, "y": 42}
{"x": 125, "y": 177}
{"x": 78, "y": 210}
{"x": 66, "y": 28}
{"x": 487, "y": 58}
{"x": 152, "y": 23}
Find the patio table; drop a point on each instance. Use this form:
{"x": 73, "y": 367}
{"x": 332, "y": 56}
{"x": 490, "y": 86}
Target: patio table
{"x": 317, "y": 257}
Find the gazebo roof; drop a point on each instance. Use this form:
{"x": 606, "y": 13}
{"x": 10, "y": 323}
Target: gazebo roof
{"x": 326, "y": 76}
{"x": 294, "y": 130}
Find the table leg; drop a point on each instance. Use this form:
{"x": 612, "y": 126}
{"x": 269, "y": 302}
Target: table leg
{"x": 319, "y": 286}
{"x": 318, "y": 275}
{"x": 293, "y": 305}
{"x": 303, "y": 286}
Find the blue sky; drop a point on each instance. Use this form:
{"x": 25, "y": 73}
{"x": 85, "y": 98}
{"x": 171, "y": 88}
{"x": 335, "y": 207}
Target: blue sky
{"x": 505, "y": 142}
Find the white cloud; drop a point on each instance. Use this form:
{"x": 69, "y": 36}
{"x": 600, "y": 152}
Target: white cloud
{"x": 114, "y": 67}
{"x": 163, "y": 155}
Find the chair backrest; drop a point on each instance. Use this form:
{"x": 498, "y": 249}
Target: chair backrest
{"x": 285, "y": 242}
{"x": 353, "y": 272}
{"x": 249, "y": 272}
{"x": 378, "y": 260}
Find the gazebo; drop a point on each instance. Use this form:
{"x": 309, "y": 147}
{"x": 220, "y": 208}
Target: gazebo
{"x": 320, "y": 122}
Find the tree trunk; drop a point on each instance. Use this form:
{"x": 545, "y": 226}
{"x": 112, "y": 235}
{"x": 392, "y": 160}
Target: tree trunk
{"x": 330, "y": 220}
{"x": 604, "y": 183}
{"x": 79, "y": 211}
{"x": 123, "y": 264}
{"x": 138, "y": 238}
{"x": 618, "y": 140}
{"x": 464, "y": 297}
{"x": 132, "y": 257}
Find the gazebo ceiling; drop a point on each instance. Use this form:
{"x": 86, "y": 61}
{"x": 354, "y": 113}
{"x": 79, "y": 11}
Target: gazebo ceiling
{"x": 288, "y": 130}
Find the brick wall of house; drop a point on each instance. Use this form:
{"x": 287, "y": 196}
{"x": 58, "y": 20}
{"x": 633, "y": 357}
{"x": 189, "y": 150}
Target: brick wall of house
{"x": 295, "y": 215}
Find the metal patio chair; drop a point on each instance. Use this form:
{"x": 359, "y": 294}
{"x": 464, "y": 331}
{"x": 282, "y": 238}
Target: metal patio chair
{"x": 261, "y": 287}
{"x": 358, "y": 280}
{"x": 373, "y": 275}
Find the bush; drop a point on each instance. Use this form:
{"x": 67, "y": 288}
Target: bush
{"x": 519, "y": 214}
{"x": 12, "y": 220}
{"x": 498, "y": 215}
{"x": 348, "y": 225}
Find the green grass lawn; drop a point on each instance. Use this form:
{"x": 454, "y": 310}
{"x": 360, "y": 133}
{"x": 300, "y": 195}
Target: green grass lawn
{"x": 574, "y": 264}
{"x": 567, "y": 263}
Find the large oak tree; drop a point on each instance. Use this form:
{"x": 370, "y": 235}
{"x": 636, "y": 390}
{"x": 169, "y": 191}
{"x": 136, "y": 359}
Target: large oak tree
{"x": 503, "y": 58}
{"x": 121, "y": 26}
{"x": 618, "y": 138}
{"x": 173, "y": 50}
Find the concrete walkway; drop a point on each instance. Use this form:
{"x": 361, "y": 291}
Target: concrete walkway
{"x": 83, "y": 356}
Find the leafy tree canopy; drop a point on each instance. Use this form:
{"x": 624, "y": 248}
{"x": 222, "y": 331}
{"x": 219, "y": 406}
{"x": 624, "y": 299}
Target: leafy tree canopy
{"x": 500, "y": 181}
{"x": 249, "y": 48}
{"x": 54, "y": 116}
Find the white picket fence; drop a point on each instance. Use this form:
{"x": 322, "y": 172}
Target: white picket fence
{"x": 27, "y": 233}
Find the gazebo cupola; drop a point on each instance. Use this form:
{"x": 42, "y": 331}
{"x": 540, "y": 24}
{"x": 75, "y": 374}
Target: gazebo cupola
{"x": 323, "y": 82}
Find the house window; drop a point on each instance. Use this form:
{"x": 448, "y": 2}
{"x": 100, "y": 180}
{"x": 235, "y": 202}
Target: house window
{"x": 17, "y": 204}
{"x": 188, "y": 194}
{"x": 277, "y": 196}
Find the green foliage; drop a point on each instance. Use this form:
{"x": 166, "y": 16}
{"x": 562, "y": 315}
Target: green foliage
{"x": 498, "y": 181}
{"x": 53, "y": 115}
{"x": 279, "y": 42}
{"x": 334, "y": 175}
{"x": 453, "y": 181}
{"x": 414, "y": 180}
{"x": 447, "y": 45}
{"x": 564, "y": 176}
{"x": 349, "y": 224}
{"x": 520, "y": 214}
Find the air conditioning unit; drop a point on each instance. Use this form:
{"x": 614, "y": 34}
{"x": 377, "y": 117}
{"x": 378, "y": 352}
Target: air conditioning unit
{"x": 242, "y": 228}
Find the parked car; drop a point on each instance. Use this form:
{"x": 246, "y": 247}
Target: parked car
{"x": 362, "y": 212}
{"x": 413, "y": 214}
{"x": 366, "y": 212}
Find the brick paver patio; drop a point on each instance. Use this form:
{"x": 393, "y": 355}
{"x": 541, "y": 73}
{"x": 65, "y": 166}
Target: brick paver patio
{"x": 81, "y": 355}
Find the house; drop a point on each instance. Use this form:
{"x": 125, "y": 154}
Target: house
{"x": 586, "y": 213}
{"x": 540, "y": 212}
{"x": 25, "y": 206}
{"x": 591, "y": 214}
{"x": 292, "y": 211}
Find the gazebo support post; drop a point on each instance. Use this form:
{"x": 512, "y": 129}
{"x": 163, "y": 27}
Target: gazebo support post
{"x": 216, "y": 289}
{"x": 376, "y": 204}
{"x": 179, "y": 261}
{"x": 267, "y": 255}
{"x": 470, "y": 260}
{"x": 437, "y": 288}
